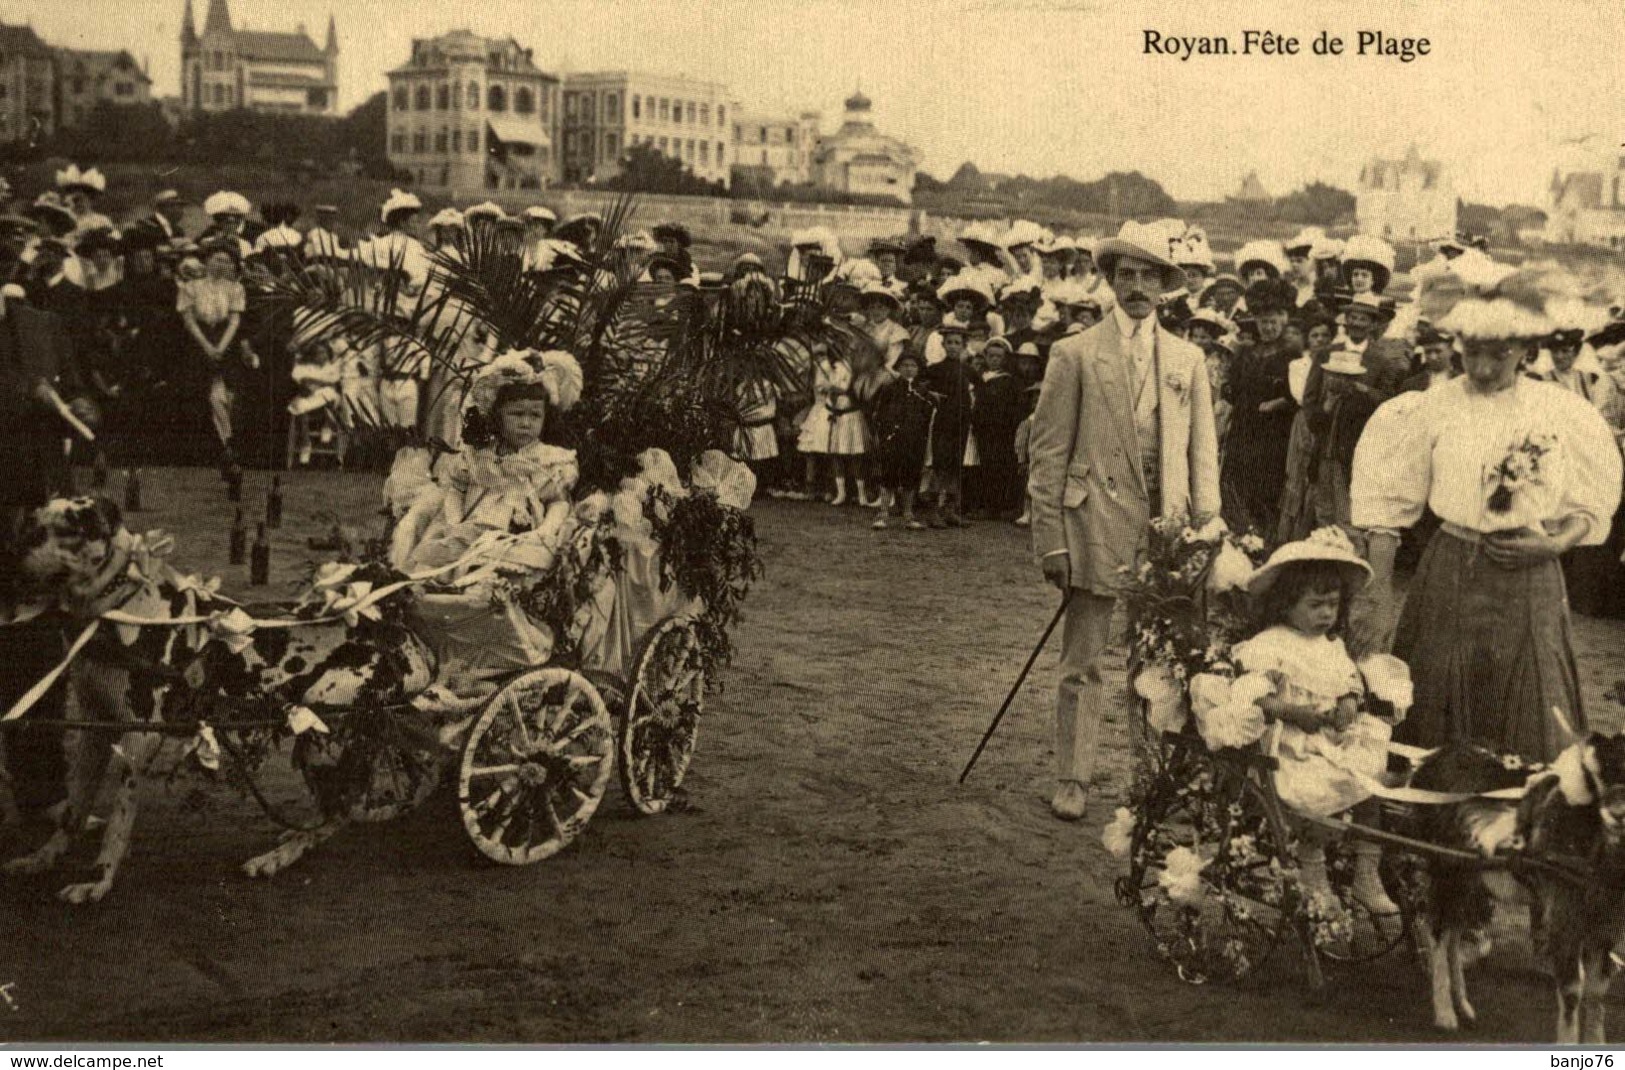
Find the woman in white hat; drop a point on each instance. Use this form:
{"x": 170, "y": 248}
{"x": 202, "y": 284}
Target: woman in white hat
{"x": 1519, "y": 472}
{"x": 228, "y": 213}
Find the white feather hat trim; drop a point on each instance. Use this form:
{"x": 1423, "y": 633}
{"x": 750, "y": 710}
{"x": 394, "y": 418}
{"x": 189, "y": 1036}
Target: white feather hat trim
{"x": 557, "y": 371}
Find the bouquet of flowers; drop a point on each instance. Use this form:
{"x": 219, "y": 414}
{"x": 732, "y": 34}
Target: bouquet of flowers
{"x": 1187, "y": 604}
{"x": 1521, "y": 467}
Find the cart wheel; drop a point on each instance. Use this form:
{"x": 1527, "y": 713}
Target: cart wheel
{"x": 376, "y": 765}
{"x": 662, "y": 715}
{"x": 1231, "y": 925}
{"x": 536, "y": 766}
{"x": 1372, "y": 934}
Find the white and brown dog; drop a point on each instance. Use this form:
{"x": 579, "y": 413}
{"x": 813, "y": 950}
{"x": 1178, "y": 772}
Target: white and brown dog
{"x": 1567, "y": 839}
{"x": 76, "y": 557}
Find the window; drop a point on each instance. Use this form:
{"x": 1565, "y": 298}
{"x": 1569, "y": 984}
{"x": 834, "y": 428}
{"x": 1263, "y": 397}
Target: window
{"x": 78, "y": 85}
{"x": 722, "y": 115}
{"x": 761, "y": 135}
{"x": 421, "y": 98}
{"x": 739, "y": 135}
{"x": 688, "y": 151}
{"x": 637, "y": 110}
{"x": 219, "y": 94}
{"x": 403, "y": 98}
{"x": 764, "y": 157}
{"x": 420, "y": 141}
{"x": 442, "y": 98}
{"x": 524, "y": 101}
{"x": 124, "y": 89}
{"x": 789, "y": 135}
{"x": 612, "y": 146}
{"x": 546, "y": 93}
{"x": 705, "y": 152}
{"x": 705, "y": 115}
{"x": 473, "y": 96}
{"x": 456, "y": 141}
{"x": 397, "y": 143}
{"x": 588, "y": 103}
{"x": 496, "y": 99}
{"x": 690, "y": 109}
{"x": 612, "y": 107}
{"x": 569, "y": 105}
{"x": 474, "y": 139}
{"x": 719, "y": 154}
{"x": 440, "y": 141}
{"x": 665, "y": 109}
{"x": 662, "y": 144}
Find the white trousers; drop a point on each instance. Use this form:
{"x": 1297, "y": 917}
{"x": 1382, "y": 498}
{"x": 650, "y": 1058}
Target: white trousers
{"x": 1080, "y": 699}
{"x": 398, "y": 402}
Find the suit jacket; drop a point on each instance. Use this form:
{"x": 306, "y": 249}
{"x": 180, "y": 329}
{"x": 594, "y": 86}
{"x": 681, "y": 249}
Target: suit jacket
{"x": 34, "y": 347}
{"x": 1088, "y": 490}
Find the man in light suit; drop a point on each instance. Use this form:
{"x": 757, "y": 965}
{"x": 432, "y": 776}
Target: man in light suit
{"x": 1123, "y": 433}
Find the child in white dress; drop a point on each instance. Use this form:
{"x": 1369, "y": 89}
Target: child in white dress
{"x": 504, "y": 478}
{"x": 1332, "y": 744}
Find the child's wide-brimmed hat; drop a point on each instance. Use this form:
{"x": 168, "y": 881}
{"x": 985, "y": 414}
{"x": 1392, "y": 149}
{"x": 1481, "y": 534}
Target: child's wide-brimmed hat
{"x": 877, "y": 292}
{"x": 1325, "y": 544}
{"x": 554, "y": 375}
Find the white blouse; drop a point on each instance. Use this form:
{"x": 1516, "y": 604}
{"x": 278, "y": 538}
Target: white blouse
{"x": 1440, "y": 448}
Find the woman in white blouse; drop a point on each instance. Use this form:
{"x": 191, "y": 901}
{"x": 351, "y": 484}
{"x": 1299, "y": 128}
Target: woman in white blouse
{"x": 212, "y": 310}
{"x": 1519, "y": 472}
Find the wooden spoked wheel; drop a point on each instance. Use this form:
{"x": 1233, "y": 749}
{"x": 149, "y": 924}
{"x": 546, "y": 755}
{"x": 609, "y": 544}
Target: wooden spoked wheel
{"x": 376, "y": 765}
{"x": 661, "y": 722}
{"x": 1222, "y": 923}
{"x": 536, "y": 766}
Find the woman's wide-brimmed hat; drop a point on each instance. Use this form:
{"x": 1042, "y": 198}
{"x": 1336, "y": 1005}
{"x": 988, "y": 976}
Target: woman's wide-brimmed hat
{"x": 1326, "y": 249}
{"x": 1304, "y": 241}
{"x": 1327, "y": 544}
{"x": 966, "y": 284}
{"x": 1194, "y": 251}
{"x": 980, "y": 233}
{"x": 1267, "y": 254}
{"x": 1212, "y": 318}
{"x": 447, "y": 217}
{"x": 1025, "y": 232}
{"x": 538, "y": 213}
{"x": 878, "y": 292}
{"x": 399, "y": 202}
{"x": 1366, "y": 251}
{"x": 49, "y": 210}
{"x": 226, "y": 203}
{"x": 1146, "y": 242}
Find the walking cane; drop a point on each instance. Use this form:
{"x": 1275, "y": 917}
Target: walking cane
{"x": 1011, "y": 697}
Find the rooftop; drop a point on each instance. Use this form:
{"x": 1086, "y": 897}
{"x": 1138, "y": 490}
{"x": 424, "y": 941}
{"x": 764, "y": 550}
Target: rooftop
{"x": 22, "y": 39}
{"x": 281, "y": 47}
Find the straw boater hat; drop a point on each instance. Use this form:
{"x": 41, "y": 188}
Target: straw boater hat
{"x": 1002, "y": 342}
{"x": 1140, "y": 241}
{"x": 1326, "y": 249}
{"x": 1266, "y": 254}
{"x": 1325, "y": 544}
{"x": 554, "y": 376}
{"x": 1369, "y": 303}
{"x": 1343, "y": 362}
{"x": 1366, "y": 251}
{"x": 887, "y": 245}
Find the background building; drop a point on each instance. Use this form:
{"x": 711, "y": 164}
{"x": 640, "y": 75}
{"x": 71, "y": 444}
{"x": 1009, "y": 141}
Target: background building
{"x": 858, "y": 159}
{"x": 27, "y": 85}
{"x": 1588, "y": 203}
{"x": 775, "y": 149}
{"x": 84, "y": 79}
{"x": 1406, "y": 200}
{"x": 470, "y": 113}
{"x": 286, "y": 72}
{"x": 607, "y": 112}
{"x": 1251, "y": 191}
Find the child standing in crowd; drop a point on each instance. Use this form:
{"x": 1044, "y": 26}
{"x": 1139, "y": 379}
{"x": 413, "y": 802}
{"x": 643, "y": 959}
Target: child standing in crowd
{"x": 949, "y": 380}
{"x": 1335, "y": 723}
{"x": 834, "y": 426}
{"x": 903, "y": 412}
{"x": 994, "y": 419}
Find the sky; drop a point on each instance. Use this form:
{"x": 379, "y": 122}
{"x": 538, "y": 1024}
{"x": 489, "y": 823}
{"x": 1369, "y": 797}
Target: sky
{"x": 1040, "y": 86}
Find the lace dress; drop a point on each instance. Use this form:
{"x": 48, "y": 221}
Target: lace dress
{"x": 481, "y": 490}
{"x": 1326, "y": 771}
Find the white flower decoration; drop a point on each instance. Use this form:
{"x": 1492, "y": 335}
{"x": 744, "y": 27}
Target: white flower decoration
{"x": 1231, "y": 569}
{"x": 1118, "y": 836}
{"x": 1181, "y": 875}
{"x": 302, "y": 719}
{"x": 330, "y": 574}
{"x": 1165, "y": 704}
{"x": 234, "y": 628}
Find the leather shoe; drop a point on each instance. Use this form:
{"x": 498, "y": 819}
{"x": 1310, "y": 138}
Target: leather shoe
{"x": 1070, "y": 801}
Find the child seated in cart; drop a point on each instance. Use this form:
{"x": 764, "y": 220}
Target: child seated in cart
{"x": 505, "y": 478}
{"x": 1332, "y": 744}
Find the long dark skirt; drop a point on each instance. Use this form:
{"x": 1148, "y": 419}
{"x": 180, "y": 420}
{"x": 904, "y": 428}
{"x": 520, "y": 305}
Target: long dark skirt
{"x": 1491, "y": 654}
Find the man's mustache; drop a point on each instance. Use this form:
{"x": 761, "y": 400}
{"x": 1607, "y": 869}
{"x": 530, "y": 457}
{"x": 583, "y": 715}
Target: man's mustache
{"x": 1135, "y": 295}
